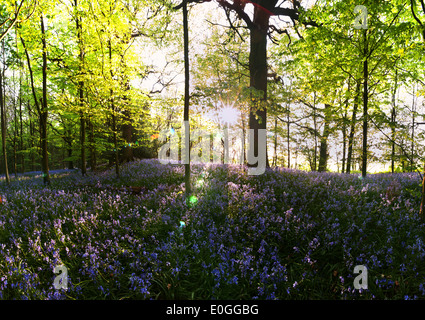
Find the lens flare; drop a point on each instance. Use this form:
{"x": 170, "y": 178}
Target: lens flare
{"x": 228, "y": 115}
{"x": 193, "y": 200}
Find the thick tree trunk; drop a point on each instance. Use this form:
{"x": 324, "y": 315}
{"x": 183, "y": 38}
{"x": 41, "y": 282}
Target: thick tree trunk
{"x": 258, "y": 76}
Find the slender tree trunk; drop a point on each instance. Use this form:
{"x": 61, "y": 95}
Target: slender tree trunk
{"x": 344, "y": 139}
{"x": 344, "y": 129}
{"x": 288, "y": 141}
{"x": 127, "y": 134}
{"x": 315, "y": 134}
{"x": 186, "y": 99}
{"x": 365, "y": 106}
{"x": 353, "y": 128}
{"x": 393, "y": 123}
{"x": 21, "y": 146}
{"x": 114, "y": 128}
{"x": 15, "y": 138}
{"x": 422, "y": 208}
{"x": 413, "y": 130}
{"x": 21, "y": 141}
{"x": 69, "y": 150}
{"x": 32, "y": 157}
{"x": 83, "y": 142}
{"x": 44, "y": 111}
{"x": 275, "y": 142}
{"x": 3, "y": 127}
{"x": 92, "y": 146}
{"x": 79, "y": 27}
{"x": 244, "y": 161}
{"x": 323, "y": 155}
{"x": 114, "y": 125}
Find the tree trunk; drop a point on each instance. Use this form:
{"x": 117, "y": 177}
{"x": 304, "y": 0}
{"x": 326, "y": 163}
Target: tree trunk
{"x": 413, "y": 130}
{"x": 323, "y": 155}
{"x": 288, "y": 136}
{"x": 314, "y": 168}
{"x": 344, "y": 139}
{"x": 21, "y": 146}
{"x": 32, "y": 158}
{"x": 186, "y": 100}
{"x": 365, "y": 101}
{"x": 393, "y": 124}
{"x": 92, "y": 146}
{"x": 79, "y": 27}
{"x": 114, "y": 125}
{"x": 3, "y": 128}
{"x": 114, "y": 128}
{"x": 422, "y": 208}
{"x": 70, "y": 162}
{"x": 353, "y": 128}
{"x": 275, "y": 143}
{"x": 258, "y": 77}
{"x": 127, "y": 134}
{"x": 83, "y": 142}
{"x": 15, "y": 134}
{"x": 44, "y": 112}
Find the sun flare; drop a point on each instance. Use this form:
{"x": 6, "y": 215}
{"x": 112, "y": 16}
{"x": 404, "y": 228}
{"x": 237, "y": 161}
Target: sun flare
{"x": 229, "y": 115}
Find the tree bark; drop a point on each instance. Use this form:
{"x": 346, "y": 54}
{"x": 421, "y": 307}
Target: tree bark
{"x": 21, "y": 146}
{"x": 323, "y": 155}
{"x": 288, "y": 136}
{"x": 92, "y": 146}
{"x": 3, "y": 128}
{"x": 353, "y": 128}
{"x": 258, "y": 76}
{"x": 114, "y": 125}
{"x": 127, "y": 134}
{"x": 186, "y": 98}
{"x": 365, "y": 106}
{"x": 44, "y": 112}
{"x": 344, "y": 140}
{"x": 79, "y": 27}
{"x": 275, "y": 143}
{"x": 314, "y": 168}
{"x": 413, "y": 130}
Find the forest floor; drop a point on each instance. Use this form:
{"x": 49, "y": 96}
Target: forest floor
{"x": 286, "y": 234}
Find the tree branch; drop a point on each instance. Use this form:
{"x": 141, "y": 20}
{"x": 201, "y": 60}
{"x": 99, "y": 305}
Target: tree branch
{"x": 239, "y": 9}
{"x": 190, "y": 1}
{"x": 14, "y": 20}
{"x": 413, "y": 13}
